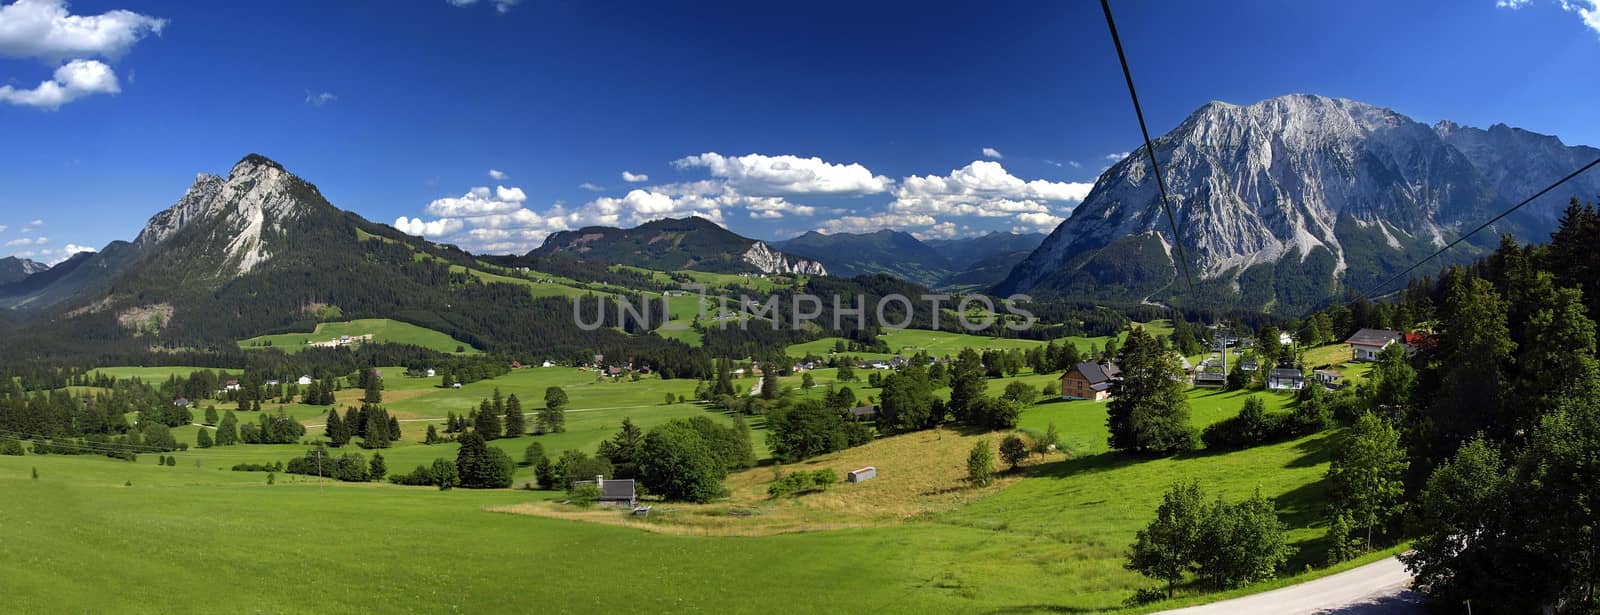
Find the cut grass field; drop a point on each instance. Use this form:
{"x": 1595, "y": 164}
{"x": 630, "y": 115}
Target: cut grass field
{"x": 382, "y": 330}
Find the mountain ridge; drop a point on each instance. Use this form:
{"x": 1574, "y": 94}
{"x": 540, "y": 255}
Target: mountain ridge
{"x": 1280, "y": 204}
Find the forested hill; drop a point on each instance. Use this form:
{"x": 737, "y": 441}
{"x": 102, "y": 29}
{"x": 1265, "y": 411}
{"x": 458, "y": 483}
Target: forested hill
{"x": 671, "y": 244}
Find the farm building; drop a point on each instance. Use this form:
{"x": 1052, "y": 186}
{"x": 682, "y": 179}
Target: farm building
{"x": 1286, "y": 379}
{"x": 1089, "y": 381}
{"x": 304, "y": 380}
{"x": 1367, "y": 343}
{"x": 861, "y": 474}
{"x": 615, "y": 492}
{"x": 864, "y": 412}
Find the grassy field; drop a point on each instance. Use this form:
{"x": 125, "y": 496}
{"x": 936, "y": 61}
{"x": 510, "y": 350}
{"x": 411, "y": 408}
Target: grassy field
{"x": 1050, "y": 538}
{"x": 907, "y": 342}
{"x": 381, "y": 330}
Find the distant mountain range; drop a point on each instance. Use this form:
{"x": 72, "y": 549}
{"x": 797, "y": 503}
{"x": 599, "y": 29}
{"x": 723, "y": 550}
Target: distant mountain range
{"x": 969, "y": 262}
{"x": 673, "y": 243}
{"x": 13, "y": 269}
{"x": 1285, "y": 203}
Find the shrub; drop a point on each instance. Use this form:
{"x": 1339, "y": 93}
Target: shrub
{"x": 584, "y": 494}
{"x": 276, "y": 466}
{"x": 1013, "y": 451}
{"x": 800, "y": 483}
{"x": 1021, "y": 393}
{"x": 980, "y": 465}
{"x": 11, "y": 447}
{"x": 1253, "y": 426}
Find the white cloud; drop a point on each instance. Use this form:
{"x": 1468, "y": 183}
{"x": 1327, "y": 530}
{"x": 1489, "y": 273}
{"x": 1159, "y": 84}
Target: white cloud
{"x": 1038, "y": 222}
{"x": 634, "y": 178}
{"x": 320, "y": 98}
{"x": 876, "y": 222}
{"x": 3, "y": 228}
{"x": 19, "y": 242}
{"x": 417, "y": 226}
{"x": 497, "y": 175}
{"x": 1074, "y": 164}
{"x": 52, "y": 256}
{"x": 984, "y": 188}
{"x": 778, "y": 175}
{"x": 44, "y": 29}
{"x": 592, "y": 187}
{"x": 989, "y": 152}
{"x": 942, "y": 230}
{"x": 479, "y": 201}
{"x": 500, "y": 6}
{"x": 1587, "y": 10}
{"x": 73, "y": 80}
{"x": 1116, "y": 156}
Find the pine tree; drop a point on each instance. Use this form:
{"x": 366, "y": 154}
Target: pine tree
{"x": 1149, "y": 410}
{"x": 335, "y": 430}
{"x": 203, "y": 439}
{"x": 211, "y": 415}
{"x": 515, "y": 423}
{"x": 487, "y": 423}
{"x": 373, "y": 384}
{"x": 966, "y": 385}
{"x": 228, "y": 430}
{"x": 432, "y": 437}
{"x": 378, "y": 469}
{"x": 553, "y": 418}
{"x": 377, "y": 431}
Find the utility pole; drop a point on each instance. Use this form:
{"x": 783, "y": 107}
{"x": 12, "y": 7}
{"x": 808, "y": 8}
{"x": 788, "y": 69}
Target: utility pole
{"x": 320, "y": 478}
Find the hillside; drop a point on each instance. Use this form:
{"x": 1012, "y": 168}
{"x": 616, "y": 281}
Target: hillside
{"x": 260, "y": 250}
{"x": 966, "y": 263}
{"x": 1291, "y": 200}
{"x": 373, "y": 330}
{"x": 673, "y": 243}
{"x": 852, "y": 254}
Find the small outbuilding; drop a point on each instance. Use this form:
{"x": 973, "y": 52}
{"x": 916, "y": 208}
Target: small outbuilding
{"x": 864, "y": 412}
{"x": 1286, "y": 379}
{"x": 861, "y": 474}
{"x": 615, "y": 492}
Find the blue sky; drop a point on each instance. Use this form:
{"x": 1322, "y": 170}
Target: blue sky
{"x": 775, "y": 118}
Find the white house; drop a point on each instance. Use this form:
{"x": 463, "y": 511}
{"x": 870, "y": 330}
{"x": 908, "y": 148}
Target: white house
{"x": 1367, "y": 343}
{"x": 304, "y": 380}
{"x": 430, "y": 372}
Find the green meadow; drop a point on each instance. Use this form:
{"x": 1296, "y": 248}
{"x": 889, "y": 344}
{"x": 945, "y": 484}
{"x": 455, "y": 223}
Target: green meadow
{"x": 382, "y": 330}
{"x": 1053, "y": 541}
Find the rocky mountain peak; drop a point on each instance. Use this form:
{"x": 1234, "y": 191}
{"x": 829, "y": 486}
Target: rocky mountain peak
{"x": 256, "y": 199}
{"x": 763, "y": 257}
{"x": 1284, "y": 186}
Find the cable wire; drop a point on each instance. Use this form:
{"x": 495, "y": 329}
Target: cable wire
{"x": 1149, "y": 148}
{"x": 1370, "y": 293}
